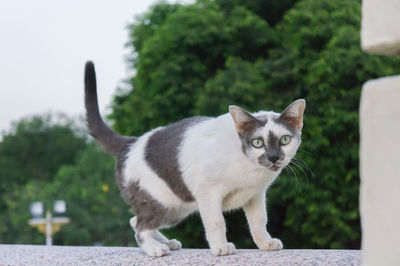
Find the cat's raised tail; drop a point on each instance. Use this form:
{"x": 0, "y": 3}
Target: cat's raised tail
{"x": 110, "y": 140}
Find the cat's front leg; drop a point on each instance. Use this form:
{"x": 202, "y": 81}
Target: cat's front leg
{"x": 256, "y": 214}
{"x": 210, "y": 208}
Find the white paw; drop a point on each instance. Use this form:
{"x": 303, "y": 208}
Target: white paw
{"x": 174, "y": 244}
{"x": 156, "y": 249}
{"x": 271, "y": 244}
{"x": 223, "y": 249}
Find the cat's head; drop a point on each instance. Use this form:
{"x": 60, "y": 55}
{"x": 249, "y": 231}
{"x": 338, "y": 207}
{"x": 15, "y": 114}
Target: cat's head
{"x": 270, "y": 139}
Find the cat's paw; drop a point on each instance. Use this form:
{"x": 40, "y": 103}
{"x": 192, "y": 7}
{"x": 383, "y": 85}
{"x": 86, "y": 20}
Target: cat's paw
{"x": 174, "y": 244}
{"x": 223, "y": 249}
{"x": 156, "y": 249}
{"x": 271, "y": 244}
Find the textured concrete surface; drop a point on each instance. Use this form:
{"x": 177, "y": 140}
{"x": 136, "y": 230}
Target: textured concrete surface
{"x": 63, "y": 255}
{"x": 380, "y": 171}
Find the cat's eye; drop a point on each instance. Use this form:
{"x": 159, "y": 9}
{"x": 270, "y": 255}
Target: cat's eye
{"x": 257, "y": 143}
{"x": 285, "y": 140}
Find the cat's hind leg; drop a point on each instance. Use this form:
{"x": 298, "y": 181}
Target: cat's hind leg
{"x": 173, "y": 244}
{"x": 147, "y": 240}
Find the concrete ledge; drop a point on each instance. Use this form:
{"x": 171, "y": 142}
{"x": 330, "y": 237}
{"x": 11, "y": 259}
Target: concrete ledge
{"x": 65, "y": 255}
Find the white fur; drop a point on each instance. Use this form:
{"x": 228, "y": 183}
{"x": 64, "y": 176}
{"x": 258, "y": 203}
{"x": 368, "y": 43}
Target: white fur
{"x": 219, "y": 176}
{"x": 137, "y": 170}
{"x": 211, "y": 156}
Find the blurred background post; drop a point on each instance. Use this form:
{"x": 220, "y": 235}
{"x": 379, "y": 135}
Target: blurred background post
{"x": 52, "y": 222}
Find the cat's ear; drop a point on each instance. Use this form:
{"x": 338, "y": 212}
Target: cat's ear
{"x": 243, "y": 119}
{"x": 292, "y": 116}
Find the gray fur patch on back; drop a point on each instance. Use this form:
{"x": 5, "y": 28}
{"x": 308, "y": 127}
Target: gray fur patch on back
{"x": 161, "y": 153}
{"x": 149, "y": 211}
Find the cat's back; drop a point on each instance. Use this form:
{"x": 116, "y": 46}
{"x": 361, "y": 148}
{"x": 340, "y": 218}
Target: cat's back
{"x": 152, "y": 161}
{"x": 163, "y": 146}
{"x": 159, "y": 148}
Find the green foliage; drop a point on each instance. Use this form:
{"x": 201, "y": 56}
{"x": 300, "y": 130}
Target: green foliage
{"x": 271, "y": 11}
{"x": 88, "y": 187}
{"x": 92, "y": 196}
{"x": 34, "y": 149}
{"x": 323, "y": 63}
{"x": 30, "y": 155}
{"x": 177, "y": 54}
{"x": 197, "y": 59}
{"x": 98, "y": 213}
{"x": 239, "y": 82}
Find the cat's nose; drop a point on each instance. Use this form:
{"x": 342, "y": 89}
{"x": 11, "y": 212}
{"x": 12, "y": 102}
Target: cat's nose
{"x": 273, "y": 158}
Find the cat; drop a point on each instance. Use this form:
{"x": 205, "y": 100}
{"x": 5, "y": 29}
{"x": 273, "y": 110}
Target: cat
{"x": 203, "y": 164}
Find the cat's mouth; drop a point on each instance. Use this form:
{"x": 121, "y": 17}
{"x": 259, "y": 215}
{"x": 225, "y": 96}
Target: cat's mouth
{"x": 274, "y": 168}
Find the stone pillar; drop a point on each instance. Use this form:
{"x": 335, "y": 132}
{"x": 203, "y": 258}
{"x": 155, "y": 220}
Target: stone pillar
{"x": 380, "y": 139}
{"x": 380, "y": 31}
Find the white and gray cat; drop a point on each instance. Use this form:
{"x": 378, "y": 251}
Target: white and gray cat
{"x": 203, "y": 164}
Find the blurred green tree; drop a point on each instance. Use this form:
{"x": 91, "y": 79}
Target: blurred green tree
{"x": 98, "y": 213}
{"x": 32, "y": 151}
{"x": 320, "y": 59}
{"x": 177, "y": 49}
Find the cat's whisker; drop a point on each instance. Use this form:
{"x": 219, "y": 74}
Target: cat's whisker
{"x": 304, "y": 169}
{"x": 300, "y": 166}
{"x": 290, "y": 173}
{"x": 304, "y": 174}
{"x": 305, "y": 165}
{"x": 295, "y": 174}
{"x": 296, "y": 177}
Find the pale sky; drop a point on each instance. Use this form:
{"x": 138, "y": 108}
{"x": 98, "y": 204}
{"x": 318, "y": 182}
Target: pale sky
{"x": 44, "y": 45}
